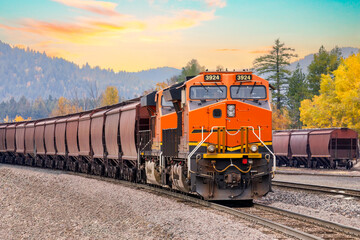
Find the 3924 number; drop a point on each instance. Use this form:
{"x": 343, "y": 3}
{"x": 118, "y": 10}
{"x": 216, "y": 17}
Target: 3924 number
{"x": 212, "y": 77}
{"x": 244, "y": 77}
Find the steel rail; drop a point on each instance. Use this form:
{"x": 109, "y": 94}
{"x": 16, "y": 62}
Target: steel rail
{"x": 317, "y": 188}
{"x": 317, "y": 221}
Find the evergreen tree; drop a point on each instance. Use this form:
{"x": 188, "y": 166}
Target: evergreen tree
{"x": 298, "y": 91}
{"x": 324, "y": 63}
{"x": 275, "y": 64}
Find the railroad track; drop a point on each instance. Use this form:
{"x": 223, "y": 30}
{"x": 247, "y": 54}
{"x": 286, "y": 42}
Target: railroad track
{"x": 316, "y": 188}
{"x": 315, "y": 227}
{"x": 284, "y": 222}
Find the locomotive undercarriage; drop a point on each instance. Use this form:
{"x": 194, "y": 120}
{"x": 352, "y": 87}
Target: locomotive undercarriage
{"x": 232, "y": 179}
{"x": 213, "y": 178}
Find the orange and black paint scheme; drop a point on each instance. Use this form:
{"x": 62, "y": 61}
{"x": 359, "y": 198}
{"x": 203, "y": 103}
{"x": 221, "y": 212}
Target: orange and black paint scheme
{"x": 211, "y": 136}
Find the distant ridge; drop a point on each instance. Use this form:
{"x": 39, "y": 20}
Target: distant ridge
{"x": 29, "y": 73}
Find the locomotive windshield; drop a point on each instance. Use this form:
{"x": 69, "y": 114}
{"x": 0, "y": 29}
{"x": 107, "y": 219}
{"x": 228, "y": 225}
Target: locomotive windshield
{"x": 248, "y": 92}
{"x": 205, "y": 92}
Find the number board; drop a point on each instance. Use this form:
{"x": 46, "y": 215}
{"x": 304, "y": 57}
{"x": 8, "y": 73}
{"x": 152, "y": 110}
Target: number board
{"x": 212, "y": 77}
{"x": 244, "y": 77}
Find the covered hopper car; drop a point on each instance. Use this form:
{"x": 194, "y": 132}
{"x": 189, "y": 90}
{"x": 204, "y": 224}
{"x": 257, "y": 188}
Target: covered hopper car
{"x": 313, "y": 148}
{"x": 207, "y": 136}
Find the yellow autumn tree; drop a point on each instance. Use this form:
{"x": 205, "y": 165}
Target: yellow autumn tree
{"x": 280, "y": 118}
{"x": 110, "y": 96}
{"x": 161, "y": 85}
{"x": 64, "y": 107}
{"x": 19, "y": 118}
{"x": 6, "y": 119}
{"x": 338, "y": 104}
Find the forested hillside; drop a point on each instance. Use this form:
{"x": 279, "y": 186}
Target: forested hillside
{"x": 24, "y": 72}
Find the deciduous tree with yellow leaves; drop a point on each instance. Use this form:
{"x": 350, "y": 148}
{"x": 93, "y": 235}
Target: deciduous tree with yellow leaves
{"x": 64, "y": 106}
{"x": 280, "y": 118}
{"x": 110, "y": 96}
{"x": 338, "y": 104}
{"x": 19, "y": 118}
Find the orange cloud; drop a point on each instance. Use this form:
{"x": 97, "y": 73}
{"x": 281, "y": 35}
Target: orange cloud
{"x": 130, "y": 26}
{"x": 185, "y": 19}
{"x": 216, "y": 3}
{"x": 98, "y": 7}
{"x": 75, "y": 32}
{"x": 228, "y": 50}
{"x": 264, "y": 49}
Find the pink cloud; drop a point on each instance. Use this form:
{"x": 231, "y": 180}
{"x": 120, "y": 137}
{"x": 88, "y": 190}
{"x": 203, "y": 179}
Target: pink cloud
{"x": 98, "y": 7}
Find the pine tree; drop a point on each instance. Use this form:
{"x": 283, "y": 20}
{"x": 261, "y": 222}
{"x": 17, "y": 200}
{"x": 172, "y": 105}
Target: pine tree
{"x": 298, "y": 91}
{"x": 324, "y": 63}
{"x": 275, "y": 64}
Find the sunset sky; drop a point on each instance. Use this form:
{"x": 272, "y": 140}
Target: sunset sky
{"x": 134, "y": 35}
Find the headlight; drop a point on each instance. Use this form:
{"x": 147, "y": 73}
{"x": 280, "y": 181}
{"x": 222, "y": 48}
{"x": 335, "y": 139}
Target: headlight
{"x": 211, "y": 148}
{"x": 254, "y": 148}
{"x": 231, "y": 110}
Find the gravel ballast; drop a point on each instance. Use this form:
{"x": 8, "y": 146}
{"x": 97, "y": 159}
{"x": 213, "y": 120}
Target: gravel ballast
{"x": 334, "y": 208}
{"x": 45, "y": 204}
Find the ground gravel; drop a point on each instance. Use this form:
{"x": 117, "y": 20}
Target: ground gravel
{"x": 44, "y": 204}
{"x": 334, "y": 208}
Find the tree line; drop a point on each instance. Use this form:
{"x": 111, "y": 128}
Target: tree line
{"x": 24, "y": 109}
{"x": 328, "y": 96}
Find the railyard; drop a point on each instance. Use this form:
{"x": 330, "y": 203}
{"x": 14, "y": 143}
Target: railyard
{"x": 53, "y": 204}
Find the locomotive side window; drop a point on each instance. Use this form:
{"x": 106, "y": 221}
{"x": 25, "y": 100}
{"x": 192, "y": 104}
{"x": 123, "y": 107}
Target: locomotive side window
{"x": 165, "y": 103}
{"x": 166, "y": 107}
{"x": 248, "y": 92}
{"x": 205, "y": 92}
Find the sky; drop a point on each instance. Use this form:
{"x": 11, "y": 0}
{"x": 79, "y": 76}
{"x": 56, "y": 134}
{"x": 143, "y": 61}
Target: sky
{"x": 135, "y": 35}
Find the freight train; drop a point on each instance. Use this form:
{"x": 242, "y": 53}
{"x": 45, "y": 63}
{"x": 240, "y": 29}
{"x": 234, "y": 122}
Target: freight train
{"x": 209, "y": 136}
{"x": 314, "y": 148}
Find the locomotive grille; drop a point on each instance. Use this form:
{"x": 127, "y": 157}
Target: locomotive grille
{"x": 170, "y": 142}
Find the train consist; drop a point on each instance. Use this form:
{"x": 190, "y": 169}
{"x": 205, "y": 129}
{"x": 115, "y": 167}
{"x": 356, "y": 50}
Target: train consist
{"x": 207, "y": 136}
{"x": 314, "y": 148}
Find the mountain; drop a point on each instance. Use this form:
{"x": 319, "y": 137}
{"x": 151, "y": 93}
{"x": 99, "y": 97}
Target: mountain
{"x": 25, "y": 72}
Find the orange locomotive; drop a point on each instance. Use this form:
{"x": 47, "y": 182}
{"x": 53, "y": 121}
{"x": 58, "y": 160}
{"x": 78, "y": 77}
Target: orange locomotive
{"x": 210, "y": 136}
